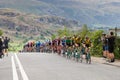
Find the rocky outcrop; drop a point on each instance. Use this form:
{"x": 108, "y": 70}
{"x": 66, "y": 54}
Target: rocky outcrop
{"x": 8, "y": 13}
{"x": 7, "y": 23}
{"x": 58, "y": 20}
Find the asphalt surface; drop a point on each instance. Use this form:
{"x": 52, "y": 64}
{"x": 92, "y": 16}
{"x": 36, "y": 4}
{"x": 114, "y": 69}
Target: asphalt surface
{"x": 41, "y": 66}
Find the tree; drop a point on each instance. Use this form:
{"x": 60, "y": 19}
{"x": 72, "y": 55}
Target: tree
{"x": 53, "y": 37}
{"x": 64, "y": 32}
{"x": 84, "y": 31}
{"x": 96, "y": 49}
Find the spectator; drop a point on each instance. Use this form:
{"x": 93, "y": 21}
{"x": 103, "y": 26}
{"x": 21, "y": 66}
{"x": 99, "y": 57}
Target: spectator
{"x": 1, "y": 48}
{"x": 6, "y": 41}
{"x": 111, "y": 43}
{"x": 105, "y": 46}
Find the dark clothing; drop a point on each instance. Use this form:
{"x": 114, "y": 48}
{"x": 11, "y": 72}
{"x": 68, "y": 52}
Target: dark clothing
{"x": 111, "y": 48}
{"x": 105, "y": 44}
{"x": 111, "y": 40}
{"x": 87, "y": 45}
{"x": 50, "y": 43}
{"x": 105, "y": 47}
{"x": 111, "y": 43}
{"x": 54, "y": 42}
{"x": 6, "y": 41}
{"x": 63, "y": 42}
{"x": 105, "y": 41}
{"x": 1, "y": 46}
{"x": 58, "y": 41}
{"x": 69, "y": 42}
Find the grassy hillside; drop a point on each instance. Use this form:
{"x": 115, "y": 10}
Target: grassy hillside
{"x": 21, "y": 27}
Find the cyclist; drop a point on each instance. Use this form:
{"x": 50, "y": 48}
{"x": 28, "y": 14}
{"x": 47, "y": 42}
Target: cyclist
{"x": 78, "y": 41}
{"x": 64, "y": 46}
{"x": 59, "y": 47}
{"x": 88, "y": 56}
{"x": 74, "y": 38}
{"x": 54, "y": 45}
{"x": 50, "y": 46}
{"x": 38, "y": 46}
{"x": 87, "y": 43}
{"x": 69, "y": 47}
{"x": 76, "y": 52}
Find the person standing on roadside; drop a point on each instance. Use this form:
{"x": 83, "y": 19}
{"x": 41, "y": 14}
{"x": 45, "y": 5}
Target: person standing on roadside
{"x": 6, "y": 41}
{"x": 1, "y": 48}
{"x": 105, "y": 46}
{"x": 111, "y": 44}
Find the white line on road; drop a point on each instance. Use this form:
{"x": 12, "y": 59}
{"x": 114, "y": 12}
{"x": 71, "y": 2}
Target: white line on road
{"x": 15, "y": 75}
{"x": 24, "y": 75}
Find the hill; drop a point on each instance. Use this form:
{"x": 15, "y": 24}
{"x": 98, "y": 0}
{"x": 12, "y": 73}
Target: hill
{"x": 22, "y": 26}
{"x": 92, "y": 12}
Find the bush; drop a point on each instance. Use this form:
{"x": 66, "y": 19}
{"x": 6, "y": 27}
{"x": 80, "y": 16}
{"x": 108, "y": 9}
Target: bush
{"x": 117, "y": 48}
{"x": 96, "y": 49}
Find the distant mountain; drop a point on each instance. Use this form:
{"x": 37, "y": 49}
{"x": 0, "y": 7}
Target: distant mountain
{"x": 106, "y": 12}
{"x": 19, "y": 25}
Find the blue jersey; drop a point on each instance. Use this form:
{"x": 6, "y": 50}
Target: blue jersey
{"x": 38, "y": 44}
{"x": 63, "y": 42}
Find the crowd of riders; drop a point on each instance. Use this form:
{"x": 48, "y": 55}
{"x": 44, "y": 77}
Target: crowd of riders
{"x": 4, "y": 46}
{"x": 73, "y": 47}
{"x": 70, "y": 47}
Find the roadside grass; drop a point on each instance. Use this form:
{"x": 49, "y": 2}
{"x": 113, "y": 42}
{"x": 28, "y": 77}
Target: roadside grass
{"x": 15, "y": 47}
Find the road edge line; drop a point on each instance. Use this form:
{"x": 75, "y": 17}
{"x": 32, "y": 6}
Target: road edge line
{"x": 23, "y": 73}
{"x": 15, "y": 75}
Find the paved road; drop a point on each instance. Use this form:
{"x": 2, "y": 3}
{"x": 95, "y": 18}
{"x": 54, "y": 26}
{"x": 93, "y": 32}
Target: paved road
{"x": 39, "y": 66}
